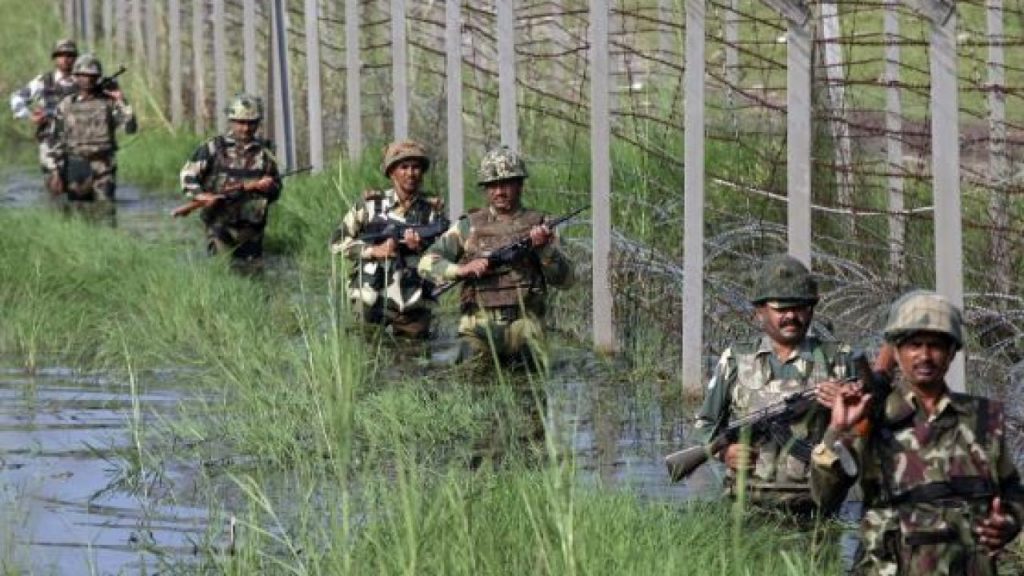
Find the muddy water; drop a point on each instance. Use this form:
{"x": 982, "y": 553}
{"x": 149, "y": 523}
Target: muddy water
{"x": 65, "y": 453}
{"x": 66, "y": 440}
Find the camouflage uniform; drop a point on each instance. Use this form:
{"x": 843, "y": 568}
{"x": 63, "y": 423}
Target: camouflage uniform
{"x": 927, "y": 479}
{"x": 85, "y": 147}
{"x": 236, "y": 223}
{"x": 749, "y": 376}
{"x": 506, "y": 307}
{"x": 48, "y": 89}
{"x": 389, "y": 291}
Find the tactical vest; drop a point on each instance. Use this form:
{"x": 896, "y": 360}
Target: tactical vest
{"x": 89, "y": 126}
{"x": 521, "y": 281}
{"x": 53, "y": 92}
{"x": 250, "y": 208}
{"x": 783, "y": 458}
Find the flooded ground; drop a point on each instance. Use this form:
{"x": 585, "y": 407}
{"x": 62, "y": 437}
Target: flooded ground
{"x": 65, "y": 453}
{"x": 66, "y": 440}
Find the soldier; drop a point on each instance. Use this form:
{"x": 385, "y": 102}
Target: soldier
{"x": 85, "y": 148}
{"x": 787, "y": 358}
{"x": 47, "y": 89}
{"x": 943, "y": 495}
{"x": 384, "y": 285}
{"x": 234, "y": 177}
{"x": 504, "y": 306}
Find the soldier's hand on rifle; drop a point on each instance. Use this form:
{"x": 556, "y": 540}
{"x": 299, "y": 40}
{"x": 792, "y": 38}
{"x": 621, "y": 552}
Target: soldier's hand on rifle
{"x": 849, "y": 407}
{"x": 541, "y": 236}
{"x": 386, "y": 249}
{"x": 825, "y": 392}
{"x": 997, "y": 529}
{"x": 412, "y": 240}
{"x": 115, "y": 93}
{"x": 207, "y": 198}
{"x": 739, "y": 457}
{"x": 474, "y": 268}
{"x": 38, "y": 116}
{"x": 261, "y": 186}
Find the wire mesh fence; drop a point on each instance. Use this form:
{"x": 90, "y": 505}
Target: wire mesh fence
{"x": 873, "y": 209}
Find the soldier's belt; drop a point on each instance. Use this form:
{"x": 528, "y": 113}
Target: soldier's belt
{"x": 948, "y": 494}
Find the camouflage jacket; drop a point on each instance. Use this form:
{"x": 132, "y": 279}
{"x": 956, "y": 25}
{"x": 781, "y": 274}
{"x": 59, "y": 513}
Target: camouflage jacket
{"x": 397, "y": 278}
{"x": 748, "y": 377}
{"x": 48, "y": 89}
{"x": 221, "y": 161}
{"x": 467, "y": 239}
{"x": 926, "y": 480}
{"x": 85, "y": 126}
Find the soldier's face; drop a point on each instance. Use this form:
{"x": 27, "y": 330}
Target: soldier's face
{"x": 86, "y": 82}
{"x": 406, "y": 177}
{"x": 924, "y": 358}
{"x": 244, "y": 130}
{"x": 786, "y": 326}
{"x": 503, "y": 196}
{"x": 64, "y": 62}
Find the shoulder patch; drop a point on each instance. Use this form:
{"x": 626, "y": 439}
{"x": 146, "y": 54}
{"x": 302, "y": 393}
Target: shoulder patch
{"x": 436, "y": 202}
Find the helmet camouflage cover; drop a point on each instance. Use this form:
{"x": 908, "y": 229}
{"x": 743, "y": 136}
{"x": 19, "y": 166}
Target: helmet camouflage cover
{"x": 246, "y": 108}
{"x": 786, "y": 280}
{"x": 64, "y": 46}
{"x": 404, "y": 150}
{"x": 923, "y": 311}
{"x": 501, "y": 164}
{"x": 87, "y": 65}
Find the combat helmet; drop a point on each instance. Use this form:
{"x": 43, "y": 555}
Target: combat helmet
{"x": 501, "y": 164}
{"x": 87, "y": 65}
{"x": 402, "y": 150}
{"x": 64, "y": 46}
{"x": 245, "y": 108}
{"x": 923, "y": 311}
{"x": 784, "y": 279}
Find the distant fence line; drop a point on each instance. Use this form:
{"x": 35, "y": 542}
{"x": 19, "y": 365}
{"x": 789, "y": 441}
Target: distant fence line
{"x": 864, "y": 98}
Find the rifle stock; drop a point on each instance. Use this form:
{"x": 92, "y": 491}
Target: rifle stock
{"x": 682, "y": 463}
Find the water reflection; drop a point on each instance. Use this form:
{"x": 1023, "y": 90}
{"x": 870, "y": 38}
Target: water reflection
{"x": 66, "y": 506}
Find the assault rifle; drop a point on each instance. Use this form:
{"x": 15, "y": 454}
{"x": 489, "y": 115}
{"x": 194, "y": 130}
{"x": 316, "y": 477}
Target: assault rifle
{"x": 109, "y": 82}
{"x": 381, "y": 229}
{"x": 509, "y": 253}
{"x": 772, "y": 420}
{"x": 230, "y": 192}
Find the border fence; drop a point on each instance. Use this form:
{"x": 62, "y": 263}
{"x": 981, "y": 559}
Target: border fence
{"x": 881, "y": 141}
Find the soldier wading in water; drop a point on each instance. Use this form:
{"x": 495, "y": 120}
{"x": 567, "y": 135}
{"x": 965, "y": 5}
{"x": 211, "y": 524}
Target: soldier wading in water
{"x": 84, "y": 149}
{"x": 384, "y": 286}
{"x": 943, "y": 495}
{"x": 504, "y": 306}
{"x": 37, "y": 101}
{"x": 786, "y": 359}
{"x": 235, "y": 178}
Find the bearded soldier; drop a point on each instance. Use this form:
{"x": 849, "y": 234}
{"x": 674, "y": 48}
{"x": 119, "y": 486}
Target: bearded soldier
{"x": 943, "y": 495}
{"x": 786, "y": 359}
{"x": 234, "y": 177}
{"x": 85, "y": 148}
{"x": 384, "y": 286}
{"x": 503, "y": 306}
{"x": 38, "y": 100}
